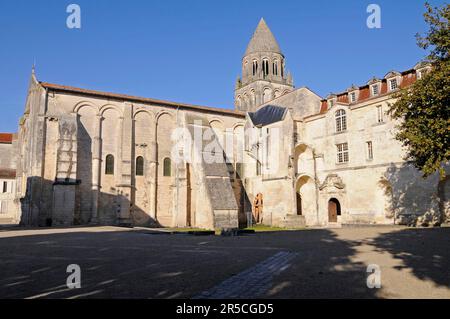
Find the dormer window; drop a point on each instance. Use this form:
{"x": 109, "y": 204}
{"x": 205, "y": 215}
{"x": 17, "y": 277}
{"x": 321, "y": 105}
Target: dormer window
{"x": 375, "y": 90}
{"x": 352, "y": 97}
{"x": 393, "y": 84}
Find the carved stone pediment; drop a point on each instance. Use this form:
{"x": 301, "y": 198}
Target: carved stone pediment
{"x": 332, "y": 180}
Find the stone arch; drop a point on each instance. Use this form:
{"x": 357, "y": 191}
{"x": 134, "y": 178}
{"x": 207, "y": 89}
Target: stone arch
{"x": 142, "y": 110}
{"x": 161, "y": 113}
{"x": 277, "y": 94}
{"x": 218, "y": 127}
{"x": 164, "y": 192}
{"x": 267, "y": 94}
{"x": 304, "y": 159}
{"x": 238, "y": 101}
{"x": 82, "y": 104}
{"x": 305, "y": 187}
{"x": 107, "y": 107}
{"x": 87, "y": 121}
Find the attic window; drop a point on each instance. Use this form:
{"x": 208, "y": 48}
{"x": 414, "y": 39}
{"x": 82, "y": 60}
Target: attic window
{"x": 393, "y": 84}
{"x": 353, "y": 97}
{"x": 375, "y": 90}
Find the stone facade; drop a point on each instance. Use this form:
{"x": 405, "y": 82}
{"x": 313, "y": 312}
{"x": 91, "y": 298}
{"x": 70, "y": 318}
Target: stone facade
{"x": 9, "y": 213}
{"x": 88, "y": 157}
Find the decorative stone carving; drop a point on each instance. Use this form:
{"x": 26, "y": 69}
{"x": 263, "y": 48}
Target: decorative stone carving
{"x": 332, "y": 180}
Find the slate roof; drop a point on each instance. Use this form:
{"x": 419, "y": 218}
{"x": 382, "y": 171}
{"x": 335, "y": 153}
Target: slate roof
{"x": 267, "y": 115}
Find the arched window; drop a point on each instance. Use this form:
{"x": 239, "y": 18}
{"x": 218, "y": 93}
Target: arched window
{"x": 341, "y": 121}
{"x": 139, "y": 166}
{"x": 255, "y": 67}
{"x": 167, "y": 169}
{"x": 267, "y": 95}
{"x": 266, "y": 67}
{"x": 109, "y": 167}
{"x": 275, "y": 67}
{"x": 258, "y": 168}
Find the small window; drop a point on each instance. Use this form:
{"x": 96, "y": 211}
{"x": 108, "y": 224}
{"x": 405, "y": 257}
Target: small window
{"x": 109, "y": 167}
{"x": 258, "y": 168}
{"x": 341, "y": 121}
{"x": 393, "y": 84}
{"x": 380, "y": 114}
{"x": 275, "y": 67}
{"x": 342, "y": 153}
{"x": 331, "y": 103}
{"x": 375, "y": 90}
{"x": 369, "y": 150}
{"x": 255, "y": 67}
{"x": 140, "y": 166}
{"x": 167, "y": 169}
{"x": 353, "y": 97}
{"x": 266, "y": 67}
{"x": 5, "y": 187}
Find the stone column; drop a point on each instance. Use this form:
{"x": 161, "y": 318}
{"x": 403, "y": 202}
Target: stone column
{"x": 96, "y": 166}
{"x": 153, "y": 160}
{"x": 126, "y": 154}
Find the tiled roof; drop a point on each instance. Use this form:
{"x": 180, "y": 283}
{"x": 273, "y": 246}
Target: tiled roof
{"x": 408, "y": 78}
{"x": 75, "y": 90}
{"x": 6, "y": 138}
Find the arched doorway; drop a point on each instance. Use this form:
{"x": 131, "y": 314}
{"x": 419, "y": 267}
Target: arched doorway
{"x": 299, "y": 205}
{"x": 334, "y": 210}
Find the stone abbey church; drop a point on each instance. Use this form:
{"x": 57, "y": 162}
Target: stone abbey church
{"x": 88, "y": 157}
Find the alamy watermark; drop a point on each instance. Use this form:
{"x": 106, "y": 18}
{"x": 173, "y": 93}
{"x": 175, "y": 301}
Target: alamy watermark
{"x": 74, "y": 19}
{"x": 74, "y": 279}
{"x": 198, "y": 144}
{"x": 374, "y": 19}
{"x": 374, "y": 277}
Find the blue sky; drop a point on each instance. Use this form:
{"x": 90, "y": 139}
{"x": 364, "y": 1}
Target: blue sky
{"x": 190, "y": 51}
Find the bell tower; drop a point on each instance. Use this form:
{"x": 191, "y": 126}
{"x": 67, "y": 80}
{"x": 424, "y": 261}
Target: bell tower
{"x": 263, "y": 72}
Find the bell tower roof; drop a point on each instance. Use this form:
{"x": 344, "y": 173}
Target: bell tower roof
{"x": 263, "y": 40}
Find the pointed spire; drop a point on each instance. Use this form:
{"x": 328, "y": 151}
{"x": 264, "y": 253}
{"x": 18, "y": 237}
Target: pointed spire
{"x": 263, "y": 40}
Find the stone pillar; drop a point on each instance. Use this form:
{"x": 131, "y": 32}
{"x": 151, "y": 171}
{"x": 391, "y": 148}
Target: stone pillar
{"x": 125, "y": 169}
{"x": 153, "y": 160}
{"x": 96, "y": 166}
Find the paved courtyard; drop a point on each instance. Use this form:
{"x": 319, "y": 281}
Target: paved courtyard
{"x": 139, "y": 263}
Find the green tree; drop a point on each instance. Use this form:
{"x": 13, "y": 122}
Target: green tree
{"x": 424, "y": 107}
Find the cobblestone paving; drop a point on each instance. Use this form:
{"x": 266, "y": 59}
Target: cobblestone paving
{"x": 253, "y": 282}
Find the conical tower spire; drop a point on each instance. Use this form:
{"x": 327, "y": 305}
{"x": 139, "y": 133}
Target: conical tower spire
{"x": 263, "y": 71}
{"x": 263, "y": 40}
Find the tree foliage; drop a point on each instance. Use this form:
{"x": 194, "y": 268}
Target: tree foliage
{"x": 424, "y": 107}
